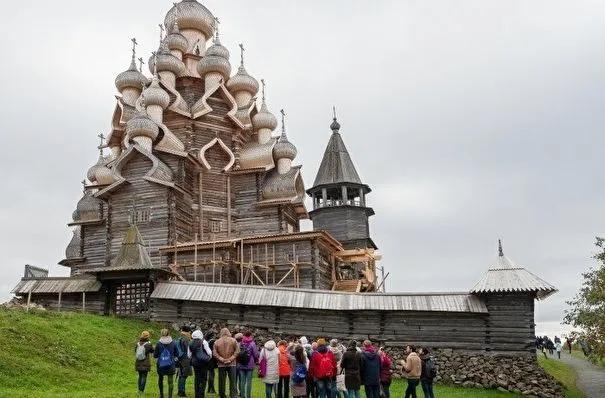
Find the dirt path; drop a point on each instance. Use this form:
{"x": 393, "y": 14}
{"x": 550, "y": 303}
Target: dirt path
{"x": 591, "y": 378}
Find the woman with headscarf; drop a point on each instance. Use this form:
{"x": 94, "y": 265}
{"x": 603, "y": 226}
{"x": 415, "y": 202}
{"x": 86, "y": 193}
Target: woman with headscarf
{"x": 142, "y": 364}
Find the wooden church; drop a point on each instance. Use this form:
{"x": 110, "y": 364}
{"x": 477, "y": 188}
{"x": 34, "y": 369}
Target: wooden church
{"x": 193, "y": 210}
{"x": 196, "y": 182}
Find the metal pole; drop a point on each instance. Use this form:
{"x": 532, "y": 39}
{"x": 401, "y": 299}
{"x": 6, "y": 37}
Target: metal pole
{"x": 83, "y": 301}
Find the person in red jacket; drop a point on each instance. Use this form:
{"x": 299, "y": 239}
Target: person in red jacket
{"x": 283, "y": 387}
{"x": 322, "y": 368}
{"x": 385, "y": 373}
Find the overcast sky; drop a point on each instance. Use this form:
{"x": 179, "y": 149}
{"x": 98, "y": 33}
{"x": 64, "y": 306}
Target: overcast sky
{"x": 471, "y": 121}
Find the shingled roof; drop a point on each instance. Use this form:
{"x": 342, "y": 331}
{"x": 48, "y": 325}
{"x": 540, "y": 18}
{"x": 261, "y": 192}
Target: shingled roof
{"x": 132, "y": 255}
{"x": 505, "y": 277}
{"x": 336, "y": 166}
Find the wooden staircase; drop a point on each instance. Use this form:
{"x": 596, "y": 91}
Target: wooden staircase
{"x": 347, "y": 285}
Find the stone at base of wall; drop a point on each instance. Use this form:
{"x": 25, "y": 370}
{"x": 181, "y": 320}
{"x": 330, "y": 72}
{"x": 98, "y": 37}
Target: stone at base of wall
{"x": 520, "y": 375}
{"x": 514, "y": 374}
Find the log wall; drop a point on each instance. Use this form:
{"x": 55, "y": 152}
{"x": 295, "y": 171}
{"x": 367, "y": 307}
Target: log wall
{"x": 466, "y": 332}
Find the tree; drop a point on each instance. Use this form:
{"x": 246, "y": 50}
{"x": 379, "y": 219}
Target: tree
{"x": 587, "y": 308}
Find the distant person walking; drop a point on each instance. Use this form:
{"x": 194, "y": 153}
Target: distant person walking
{"x": 413, "y": 368}
{"x": 558, "y": 347}
{"x": 165, "y": 353}
{"x": 568, "y": 343}
{"x": 142, "y": 364}
{"x": 201, "y": 355}
{"x": 225, "y": 351}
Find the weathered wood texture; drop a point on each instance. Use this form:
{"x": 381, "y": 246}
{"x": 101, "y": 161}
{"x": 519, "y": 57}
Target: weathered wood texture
{"x": 147, "y": 196}
{"x": 511, "y": 322}
{"x": 464, "y": 331}
{"x": 92, "y": 303}
{"x": 345, "y": 223}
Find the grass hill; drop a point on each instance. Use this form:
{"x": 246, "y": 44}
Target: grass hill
{"x": 50, "y": 354}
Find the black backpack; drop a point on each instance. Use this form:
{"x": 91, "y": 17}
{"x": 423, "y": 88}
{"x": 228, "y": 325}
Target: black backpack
{"x": 431, "y": 370}
{"x": 243, "y": 358}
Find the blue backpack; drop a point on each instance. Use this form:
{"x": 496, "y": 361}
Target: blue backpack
{"x": 300, "y": 374}
{"x": 165, "y": 361}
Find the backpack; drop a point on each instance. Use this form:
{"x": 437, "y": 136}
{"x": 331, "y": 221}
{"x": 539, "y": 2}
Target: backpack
{"x": 180, "y": 351}
{"x": 165, "y": 361}
{"x": 141, "y": 352}
{"x": 243, "y": 358}
{"x": 325, "y": 369}
{"x": 200, "y": 354}
{"x": 300, "y": 374}
{"x": 431, "y": 370}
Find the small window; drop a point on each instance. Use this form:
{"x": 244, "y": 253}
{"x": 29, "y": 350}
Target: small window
{"x": 215, "y": 226}
{"x": 142, "y": 216}
{"x": 289, "y": 257}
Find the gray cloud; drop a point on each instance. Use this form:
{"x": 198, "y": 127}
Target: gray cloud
{"x": 470, "y": 122}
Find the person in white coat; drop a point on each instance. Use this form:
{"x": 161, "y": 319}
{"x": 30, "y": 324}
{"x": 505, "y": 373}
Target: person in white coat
{"x": 271, "y": 355}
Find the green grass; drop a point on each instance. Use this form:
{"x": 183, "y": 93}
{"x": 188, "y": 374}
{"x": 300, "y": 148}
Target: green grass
{"x": 580, "y": 354}
{"x": 74, "y": 355}
{"x": 563, "y": 373}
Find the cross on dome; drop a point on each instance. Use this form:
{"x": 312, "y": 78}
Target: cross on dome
{"x": 216, "y": 24}
{"x": 102, "y": 144}
{"x": 262, "y": 81}
{"x": 141, "y": 62}
{"x": 134, "y": 46}
{"x": 283, "y": 121}
{"x": 241, "y": 51}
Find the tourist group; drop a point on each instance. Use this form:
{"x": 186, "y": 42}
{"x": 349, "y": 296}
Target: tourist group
{"x": 299, "y": 367}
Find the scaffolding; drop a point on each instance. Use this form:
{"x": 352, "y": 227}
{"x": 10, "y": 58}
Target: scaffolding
{"x": 251, "y": 263}
{"x": 256, "y": 269}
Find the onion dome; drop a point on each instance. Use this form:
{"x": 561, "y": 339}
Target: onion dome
{"x": 88, "y": 208}
{"x": 335, "y": 126}
{"x": 242, "y": 81}
{"x": 104, "y": 175}
{"x": 142, "y": 125}
{"x": 164, "y": 61}
{"x": 264, "y": 119}
{"x": 73, "y": 249}
{"x": 216, "y": 59}
{"x": 176, "y": 41}
{"x": 156, "y": 95}
{"x": 284, "y": 149}
{"x": 190, "y": 14}
{"x": 92, "y": 172}
{"x": 131, "y": 78}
